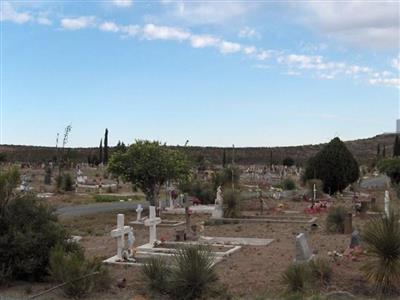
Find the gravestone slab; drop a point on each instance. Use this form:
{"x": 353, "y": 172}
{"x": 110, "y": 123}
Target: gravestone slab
{"x": 303, "y": 252}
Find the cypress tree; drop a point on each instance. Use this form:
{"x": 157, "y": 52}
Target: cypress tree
{"x": 396, "y": 147}
{"x": 101, "y": 151}
{"x": 105, "y": 156}
{"x": 384, "y": 151}
{"x": 378, "y": 151}
{"x": 224, "y": 158}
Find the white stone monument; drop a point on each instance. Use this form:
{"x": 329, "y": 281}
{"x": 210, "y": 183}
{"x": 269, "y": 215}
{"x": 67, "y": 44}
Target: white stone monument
{"x": 303, "y": 252}
{"x": 120, "y": 233}
{"x": 218, "y": 211}
{"x": 152, "y": 223}
{"x": 387, "y": 204}
{"x": 139, "y": 210}
{"x": 315, "y": 192}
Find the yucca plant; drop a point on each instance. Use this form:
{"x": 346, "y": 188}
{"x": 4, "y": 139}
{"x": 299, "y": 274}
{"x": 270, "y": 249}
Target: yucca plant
{"x": 335, "y": 219}
{"x": 382, "y": 240}
{"x": 296, "y": 277}
{"x": 193, "y": 273}
{"x": 321, "y": 270}
{"x": 231, "y": 204}
{"x": 156, "y": 274}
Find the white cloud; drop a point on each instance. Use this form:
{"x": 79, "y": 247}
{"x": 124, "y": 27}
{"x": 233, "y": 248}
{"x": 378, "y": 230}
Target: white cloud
{"x": 391, "y": 82}
{"x": 153, "y": 32}
{"x": 205, "y": 40}
{"x": 44, "y": 21}
{"x": 249, "y": 50}
{"x": 263, "y": 55}
{"x": 373, "y": 24}
{"x": 396, "y": 63}
{"x": 229, "y": 47}
{"x": 8, "y": 13}
{"x": 130, "y": 30}
{"x": 122, "y": 3}
{"x": 109, "y": 27}
{"x": 77, "y": 23}
{"x": 248, "y": 32}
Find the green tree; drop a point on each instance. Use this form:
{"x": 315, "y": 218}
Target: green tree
{"x": 224, "y": 158}
{"x": 384, "y": 151}
{"x": 101, "y": 151}
{"x": 396, "y": 147}
{"x": 3, "y": 157}
{"x": 334, "y": 165}
{"x": 378, "y": 151}
{"x": 120, "y": 147}
{"x": 148, "y": 165}
{"x": 105, "y": 155}
{"x": 288, "y": 161}
{"x": 391, "y": 167}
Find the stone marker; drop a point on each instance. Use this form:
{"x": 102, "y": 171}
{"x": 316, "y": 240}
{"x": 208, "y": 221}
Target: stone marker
{"x": 152, "y": 223}
{"x": 387, "y": 204}
{"x": 139, "y": 210}
{"x": 120, "y": 233}
{"x": 303, "y": 253}
{"x": 219, "y": 201}
{"x": 355, "y": 239}
{"x": 348, "y": 223}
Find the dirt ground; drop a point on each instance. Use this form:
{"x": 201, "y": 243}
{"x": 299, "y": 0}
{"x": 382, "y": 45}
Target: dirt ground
{"x": 250, "y": 273}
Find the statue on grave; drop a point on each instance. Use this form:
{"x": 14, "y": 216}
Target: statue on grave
{"x": 220, "y": 199}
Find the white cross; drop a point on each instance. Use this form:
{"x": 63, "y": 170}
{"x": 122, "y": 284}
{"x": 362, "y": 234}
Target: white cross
{"x": 139, "y": 210}
{"x": 387, "y": 204}
{"x": 315, "y": 192}
{"x": 152, "y": 223}
{"x": 120, "y": 233}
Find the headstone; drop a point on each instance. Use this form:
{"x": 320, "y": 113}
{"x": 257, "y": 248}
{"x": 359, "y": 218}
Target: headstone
{"x": 348, "y": 223}
{"x": 303, "y": 253}
{"x": 139, "y": 210}
{"x": 152, "y": 223}
{"x": 218, "y": 211}
{"x": 314, "y": 193}
{"x": 355, "y": 239}
{"x": 120, "y": 233}
{"x": 387, "y": 204}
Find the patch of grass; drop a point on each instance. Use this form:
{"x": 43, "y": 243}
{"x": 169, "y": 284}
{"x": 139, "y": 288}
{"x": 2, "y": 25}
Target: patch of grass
{"x": 296, "y": 277}
{"x": 155, "y": 274}
{"x": 114, "y": 198}
{"x": 321, "y": 270}
{"x": 335, "y": 219}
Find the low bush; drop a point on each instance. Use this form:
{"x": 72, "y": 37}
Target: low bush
{"x": 64, "y": 183}
{"x": 199, "y": 189}
{"x": 231, "y": 204}
{"x": 296, "y": 278}
{"x": 82, "y": 276}
{"x": 321, "y": 270}
{"x": 112, "y": 198}
{"x": 288, "y": 184}
{"x": 335, "y": 219}
{"x": 156, "y": 273}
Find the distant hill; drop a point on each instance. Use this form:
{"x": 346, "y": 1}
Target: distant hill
{"x": 363, "y": 149}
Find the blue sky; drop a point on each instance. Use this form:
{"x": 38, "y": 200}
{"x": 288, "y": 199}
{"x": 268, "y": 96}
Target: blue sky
{"x": 217, "y": 73}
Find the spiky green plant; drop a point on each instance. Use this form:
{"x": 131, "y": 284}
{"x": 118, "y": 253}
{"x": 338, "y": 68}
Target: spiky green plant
{"x": 335, "y": 219}
{"x": 156, "y": 273}
{"x": 296, "y": 277}
{"x": 382, "y": 239}
{"x": 321, "y": 270}
{"x": 193, "y": 273}
{"x": 231, "y": 204}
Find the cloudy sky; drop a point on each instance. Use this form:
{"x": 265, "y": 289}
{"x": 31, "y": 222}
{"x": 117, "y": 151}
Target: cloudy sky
{"x": 249, "y": 73}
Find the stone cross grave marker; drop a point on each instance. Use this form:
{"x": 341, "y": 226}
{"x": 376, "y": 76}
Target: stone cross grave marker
{"x": 303, "y": 252}
{"x": 139, "y": 210}
{"x": 152, "y": 223}
{"x": 387, "y": 204}
{"x": 219, "y": 201}
{"x": 355, "y": 239}
{"x": 119, "y": 233}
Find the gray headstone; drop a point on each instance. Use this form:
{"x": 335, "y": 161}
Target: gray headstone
{"x": 355, "y": 239}
{"x": 303, "y": 252}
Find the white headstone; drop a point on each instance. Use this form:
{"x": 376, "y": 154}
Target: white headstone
{"x": 387, "y": 204}
{"x": 120, "y": 233}
{"x": 303, "y": 253}
{"x": 139, "y": 210}
{"x": 218, "y": 211}
{"x": 152, "y": 223}
{"x": 315, "y": 192}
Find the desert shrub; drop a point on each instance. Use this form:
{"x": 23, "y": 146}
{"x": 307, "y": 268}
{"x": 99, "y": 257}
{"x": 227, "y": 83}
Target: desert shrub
{"x": 321, "y": 270}
{"x": 156, "y": 273}
{"x": 28, "y": 230}
{"x": 68, "y": 182}
{"x": 296, "y": 277}
{"x": 47, "y": 176}
{"x": 226, "y": 177}
{"x": 288, "y": 161}
{"x": 201, "y": 190}
{"x": 231, "y": 204}
{"x": 193, "y": 273}
{"x": 382, "y": 239}
{"x": 391, "y": 167}
{"x": 335, "y": 219}
{"x": 81, "y": 275}
{"x": 288, "y": 184}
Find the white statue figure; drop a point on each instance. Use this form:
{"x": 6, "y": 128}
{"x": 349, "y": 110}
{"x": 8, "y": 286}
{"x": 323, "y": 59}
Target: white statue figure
{"x": 220, "y": 199}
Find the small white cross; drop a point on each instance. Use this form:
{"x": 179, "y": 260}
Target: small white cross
{"x": 152, "y": 223}
{"x": 120, "y": 233}
{"x": 139, "y": 210}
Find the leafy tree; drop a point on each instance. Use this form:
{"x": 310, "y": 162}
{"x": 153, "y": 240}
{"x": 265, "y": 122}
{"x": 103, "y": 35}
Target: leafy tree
{"x": 391, "y": 167}
{"x": 101, "y": 151}
{"x": 288, "y": 161}
{"x": 334, "y": 165}
{"x": 105, "y": 155}
{"x": 396, "y": 147}
{"x": 148, "y": 165}
{"x": 3, "y": 157}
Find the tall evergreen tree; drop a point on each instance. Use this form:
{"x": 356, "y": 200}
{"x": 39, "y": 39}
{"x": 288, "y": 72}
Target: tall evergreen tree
{"x": 101, "y": 151}
{"x": 378, "y": 151}
{"x": 396, "y": 147}
{"x": 270, "y": 158}
{"x": 384, "y": 151}
{"x": 105, "y": 154}
{"x": 224, "y": 158}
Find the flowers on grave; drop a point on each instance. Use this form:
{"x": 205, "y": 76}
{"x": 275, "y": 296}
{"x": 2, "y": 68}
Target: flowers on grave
{"x": 162, "y": 239}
